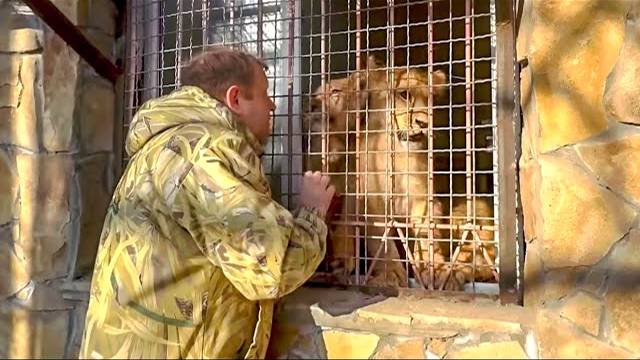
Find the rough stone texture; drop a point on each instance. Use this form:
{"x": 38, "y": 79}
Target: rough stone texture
{"x": 584, "y": 310}
{"x": 623, "y": 293}
{"x": 21, "y": 32}
{"x": 437, "y": 348}
{"x": 490, "y": 350}
{"x": 60, "y": 82}
{"x": 95, "y": 194}
{"x": 558, "y": 338}
{"x": 96, "y": 115}
{"x": 402, "y": 349}
{"x": 18, "y": 126}
{"x": 622, "y": 96}
{"x": 40, "y": 296}
{"x": 349, "y": 345}
{"x": 569, "y": 240}
{"x": 98, "y": 14}
{"x": 8, "y": 188}
{"x": 13, "y": 274}
{"x": 612, "y": 156}
{"x": 10, "y": 85}
{"x": 32, "y": 334}
{"x": 573, "y": 48}
{"x": 45, "y": 215}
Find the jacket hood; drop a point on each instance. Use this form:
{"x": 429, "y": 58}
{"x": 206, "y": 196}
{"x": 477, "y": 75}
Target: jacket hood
{"x": 189, "y": 104}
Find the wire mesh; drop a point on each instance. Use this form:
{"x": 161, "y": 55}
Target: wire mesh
{"x": 396, "y": 100}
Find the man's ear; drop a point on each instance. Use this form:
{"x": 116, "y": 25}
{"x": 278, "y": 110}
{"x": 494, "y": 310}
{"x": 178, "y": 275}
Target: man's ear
{"x": 232, "y": 98}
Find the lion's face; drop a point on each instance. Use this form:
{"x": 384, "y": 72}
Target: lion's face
{"x": 406, "y": 96}
{"x": 340, "y": 97}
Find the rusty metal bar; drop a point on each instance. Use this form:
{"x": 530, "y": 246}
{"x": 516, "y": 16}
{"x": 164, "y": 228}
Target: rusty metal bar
{"x": 508, "y": 123}
{"x": 73, "y": 37}
{"x": 430, "y": 147}
{"x": 323, "y": 72}
{"x": 357, "y": 135}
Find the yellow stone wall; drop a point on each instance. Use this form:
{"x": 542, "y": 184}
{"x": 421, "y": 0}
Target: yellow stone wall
{"x": 56, "y": 155}
{"x": 579, "y": 175}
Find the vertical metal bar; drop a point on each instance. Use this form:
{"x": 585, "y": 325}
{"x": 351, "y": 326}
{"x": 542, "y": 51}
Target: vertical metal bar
{"x": 232, "y": 22}
{"x": 430, "y": 147}
{"x": 468, "y": 103}
{"x": 151, "y": 46}
{"x": 205, "y": 24}
{"x": 290, "y": 54}
{"x": 357, "y": 140}
{"x": 178, "y": 55}
{"x": 259, "y": 35}
{"x": 323, "y": 71}
{"x": 508, "y": 127}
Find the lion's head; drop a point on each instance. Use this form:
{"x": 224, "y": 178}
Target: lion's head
{"x": 400, "y": 97}
{"x": 342, "y": 99}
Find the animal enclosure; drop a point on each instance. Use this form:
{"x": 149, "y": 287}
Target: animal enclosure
{"x": 408, "y": 105}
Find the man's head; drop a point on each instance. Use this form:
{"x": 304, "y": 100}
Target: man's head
{"x": 238, "y": 80}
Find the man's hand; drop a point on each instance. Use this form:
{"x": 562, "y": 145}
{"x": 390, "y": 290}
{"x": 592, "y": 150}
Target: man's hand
{"x": 314, "y": 192}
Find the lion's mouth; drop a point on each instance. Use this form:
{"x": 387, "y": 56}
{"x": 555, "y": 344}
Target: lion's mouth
{"x": 414, "y": 137}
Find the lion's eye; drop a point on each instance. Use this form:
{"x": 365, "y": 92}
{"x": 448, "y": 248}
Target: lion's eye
{"x": 405, "y": 95}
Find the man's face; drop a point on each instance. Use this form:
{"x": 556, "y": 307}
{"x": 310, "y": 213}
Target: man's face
{"x": 255, "y": 107}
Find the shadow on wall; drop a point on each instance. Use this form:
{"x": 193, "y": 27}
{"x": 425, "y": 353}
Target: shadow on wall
{"x": 295, "y": 333}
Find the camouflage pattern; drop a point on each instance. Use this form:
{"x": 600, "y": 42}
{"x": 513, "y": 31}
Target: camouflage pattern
{"x": 194, "y": 251}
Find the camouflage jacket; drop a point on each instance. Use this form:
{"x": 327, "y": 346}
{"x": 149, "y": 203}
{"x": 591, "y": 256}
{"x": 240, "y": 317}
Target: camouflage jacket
{"x": 194, "y": 251}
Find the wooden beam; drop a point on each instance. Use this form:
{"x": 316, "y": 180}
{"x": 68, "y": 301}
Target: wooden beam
{"x": 59, "y": 23}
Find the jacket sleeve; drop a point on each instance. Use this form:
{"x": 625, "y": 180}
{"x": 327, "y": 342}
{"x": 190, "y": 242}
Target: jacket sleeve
{"x": 264, "y": 250}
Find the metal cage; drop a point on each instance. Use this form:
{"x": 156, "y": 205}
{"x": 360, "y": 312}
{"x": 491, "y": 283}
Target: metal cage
{"x": 430, "y": 194}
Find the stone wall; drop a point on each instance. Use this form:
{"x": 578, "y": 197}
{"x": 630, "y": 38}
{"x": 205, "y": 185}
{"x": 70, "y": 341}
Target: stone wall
{"x": 340, "y": 324}
{"x": 56, "y": 145}
{"x": 579, "y": 175}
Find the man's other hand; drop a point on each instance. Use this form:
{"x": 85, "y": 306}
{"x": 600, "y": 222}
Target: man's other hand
{"x": 316, "y": 192}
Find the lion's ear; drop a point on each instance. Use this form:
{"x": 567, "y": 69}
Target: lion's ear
{"x": 439, "y": 85}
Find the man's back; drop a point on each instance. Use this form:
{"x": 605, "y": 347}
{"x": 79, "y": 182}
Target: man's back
{"x": 193, "y": 248}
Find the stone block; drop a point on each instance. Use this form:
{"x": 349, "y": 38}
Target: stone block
{"x": 19, "y": 124}
{"x": 342, "y": 344}
{"x": 33, "y": 334}
{"x": 622, "y": 94}
{"x": 94, "y": 178}
{"x": 559, "y": 283}
{"x": 20, "y": 29}
{"x": 60, "y": 92}
{"x": 98, "y": 14}
{"x": 530, "y": 193}
{"x": 382, "y": 316}
{"x": 402, "y": 349}
{"x": 95, "y": 115}
{"x": 583, "y": 310}
{"x": 572, "y": 51}
{"x": 612, "y": 158}
{"x": 13, "y": 269}
{"x": 622, "y": 299}
{"x": 490, "y": 350}
{"x": 8, "y": 188}
{"x": 569, "y": 197}
{"x": 41, "y": 296}
{"x": 559, "y": 338}
{"x": 45, "y": 214}
{"x": 438, "y": 348}
{"x": 10, "y": 85}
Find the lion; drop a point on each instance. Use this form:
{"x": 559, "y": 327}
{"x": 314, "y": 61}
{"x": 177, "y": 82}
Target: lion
{"x": 394, "y": 167}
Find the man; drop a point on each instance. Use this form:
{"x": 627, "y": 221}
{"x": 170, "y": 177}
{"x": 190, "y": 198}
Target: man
{"x": 194, "y": 251}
